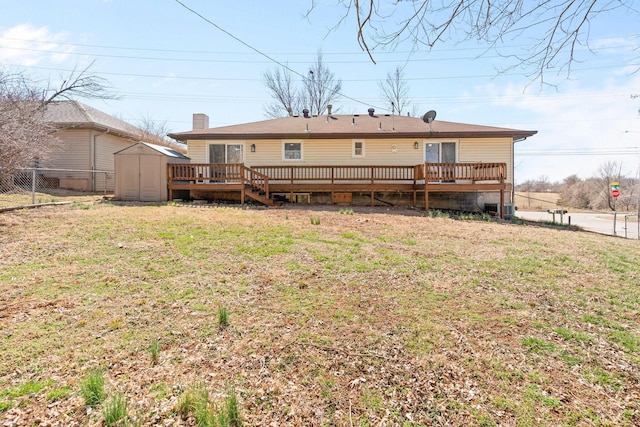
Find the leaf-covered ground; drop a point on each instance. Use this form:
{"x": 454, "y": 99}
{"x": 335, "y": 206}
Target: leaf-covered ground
{"x": 371, "y": 317}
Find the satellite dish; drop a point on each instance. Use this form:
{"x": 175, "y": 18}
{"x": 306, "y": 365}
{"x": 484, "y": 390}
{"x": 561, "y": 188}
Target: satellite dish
{"x": 429, "y": 116}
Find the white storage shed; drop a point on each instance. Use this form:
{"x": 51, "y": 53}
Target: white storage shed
{"x": 141, "y": 172}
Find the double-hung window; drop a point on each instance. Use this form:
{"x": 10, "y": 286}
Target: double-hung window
{"x": 292, "y": 151}
{"x": 358, "y": 149}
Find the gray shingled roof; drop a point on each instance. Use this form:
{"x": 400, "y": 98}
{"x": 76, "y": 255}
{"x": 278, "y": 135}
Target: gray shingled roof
{"x": 350, "y": 126}
{"x": 74, "y": 114}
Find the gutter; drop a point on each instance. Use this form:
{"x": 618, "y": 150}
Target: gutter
{"x": 343, "y": 135}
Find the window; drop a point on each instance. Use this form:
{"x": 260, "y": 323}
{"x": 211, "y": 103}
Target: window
{"x": 440, "y": 152}
{"x": 436, "y": 152}
{"x": 292, "y": 151}
{"x": 358, "y": 149}
{"x": 225, "y": 153}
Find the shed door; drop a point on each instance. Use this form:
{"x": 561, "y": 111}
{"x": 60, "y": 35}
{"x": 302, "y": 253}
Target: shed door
{"x": 150, "y": 177}
{"x": 129, "y": 178}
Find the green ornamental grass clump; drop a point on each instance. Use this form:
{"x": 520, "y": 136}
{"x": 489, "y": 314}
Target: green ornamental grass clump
{"x": 92, "y": 389}
{"x": 115, "y": 409}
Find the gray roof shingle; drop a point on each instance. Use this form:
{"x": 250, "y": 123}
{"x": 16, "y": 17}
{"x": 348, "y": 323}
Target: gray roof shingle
{"x": 74, "y": 114}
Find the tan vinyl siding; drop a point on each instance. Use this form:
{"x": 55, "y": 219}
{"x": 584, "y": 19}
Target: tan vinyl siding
{"x": 73, "y": 152}
{"x": 197, "y": 150}
{"x": 318, "y": 152}
{"x": 105, "y": 147}
{"x": 487, "y": 151}
{"x": 378, "y": 151}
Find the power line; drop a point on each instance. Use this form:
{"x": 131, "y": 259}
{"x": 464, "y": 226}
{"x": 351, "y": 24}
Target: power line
{"x": 381, "y": 52}
{"x": 260, "y": 52}
{"x": 585, "y": 151}
{"x": 215, "y": 61}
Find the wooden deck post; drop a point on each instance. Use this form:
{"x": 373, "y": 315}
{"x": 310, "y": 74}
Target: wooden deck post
{"x": 372, "y": 182}
{"x": 170, "y": 180}
{"x": 426, "y": 198}
{"x": 502, "y": 203}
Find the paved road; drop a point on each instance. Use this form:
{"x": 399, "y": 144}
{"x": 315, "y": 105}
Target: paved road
{"x": 597, "y": 222}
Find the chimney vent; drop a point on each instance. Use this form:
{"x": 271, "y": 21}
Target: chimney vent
{"x": 305, "y": 112}
{"x": 200, "y": 121}
{"x": 371, "y": 111}
{"x": 329, "y": 108}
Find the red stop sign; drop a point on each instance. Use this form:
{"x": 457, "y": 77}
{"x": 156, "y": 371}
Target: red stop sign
{"x": 615, "y": 193}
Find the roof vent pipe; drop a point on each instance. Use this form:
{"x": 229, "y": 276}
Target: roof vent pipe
{"x": 371, "y": 111}
{"x": 305, "y": 112}
{"x": 329, "y": 107}
{"x": 353, "y": 121}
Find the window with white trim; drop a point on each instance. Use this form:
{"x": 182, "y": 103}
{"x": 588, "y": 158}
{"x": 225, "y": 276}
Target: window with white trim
{"x": 358, "y": 149}
{"x": 292, "y": 151}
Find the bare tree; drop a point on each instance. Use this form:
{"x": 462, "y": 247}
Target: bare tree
{"x": 395, "y": 89}
{"x": 155, "y": 132}
{"x": 286, "y": 97}
{"x": 575, "y": 193}
{"x": 608, "y": 172}
{"x": 557, "y": 28}
{"x": 321, "y": 87}
{"x": 80, "y": 84}
{"x": 26, "y": 139}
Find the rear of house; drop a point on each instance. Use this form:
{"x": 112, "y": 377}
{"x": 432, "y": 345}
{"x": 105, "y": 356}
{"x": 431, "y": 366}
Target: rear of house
{"x": 367, "y": 158}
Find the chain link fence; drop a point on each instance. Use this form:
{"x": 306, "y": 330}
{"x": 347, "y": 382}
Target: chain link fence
{"x": 37, "y": 186}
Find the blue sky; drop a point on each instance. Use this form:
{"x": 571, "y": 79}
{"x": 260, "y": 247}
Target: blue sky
{"x": 167, "y": 63}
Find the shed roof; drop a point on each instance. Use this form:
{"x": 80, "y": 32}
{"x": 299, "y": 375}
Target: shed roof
{"x": 350, "y": 126}
{"x": 166, "y": 151}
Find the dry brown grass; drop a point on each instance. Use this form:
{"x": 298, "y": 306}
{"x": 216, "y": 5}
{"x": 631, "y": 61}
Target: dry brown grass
{"x": 376, "y": 318}
{"x": 528, "y": 201}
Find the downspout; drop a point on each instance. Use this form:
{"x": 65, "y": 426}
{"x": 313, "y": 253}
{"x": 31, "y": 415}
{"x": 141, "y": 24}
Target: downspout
{"x": 513, "y": 169}
{"x": 94, "y": 160}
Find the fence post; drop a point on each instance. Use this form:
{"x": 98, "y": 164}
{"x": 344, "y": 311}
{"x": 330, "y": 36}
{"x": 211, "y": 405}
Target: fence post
{"x": 33, "y": 186}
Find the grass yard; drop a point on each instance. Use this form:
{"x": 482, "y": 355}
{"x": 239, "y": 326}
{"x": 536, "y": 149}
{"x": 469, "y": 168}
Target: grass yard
{"x": 184, "y": 315}
{"x": 531, "y": 201}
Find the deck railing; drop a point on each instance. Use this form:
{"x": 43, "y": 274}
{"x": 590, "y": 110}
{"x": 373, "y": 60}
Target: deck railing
{"x": 436, "y": 172}
{"x": 332, "y": 174}
{"x": 209, "y": 172}
{"x": 260, "y": 176}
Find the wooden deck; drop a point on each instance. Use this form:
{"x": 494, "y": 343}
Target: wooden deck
{"x": 260, "y": 182}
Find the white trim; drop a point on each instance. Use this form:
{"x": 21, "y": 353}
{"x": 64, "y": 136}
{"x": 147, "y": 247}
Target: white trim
{"x": 353, "y": 149}
{"x": 284, "y": 159}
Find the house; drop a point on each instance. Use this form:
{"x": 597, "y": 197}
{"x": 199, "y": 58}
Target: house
{"x": 352, "y": 159}
{"x": 88, "y": 140}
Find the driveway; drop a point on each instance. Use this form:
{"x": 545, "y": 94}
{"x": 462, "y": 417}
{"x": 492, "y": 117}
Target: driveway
{"x": 596, "y": 222}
